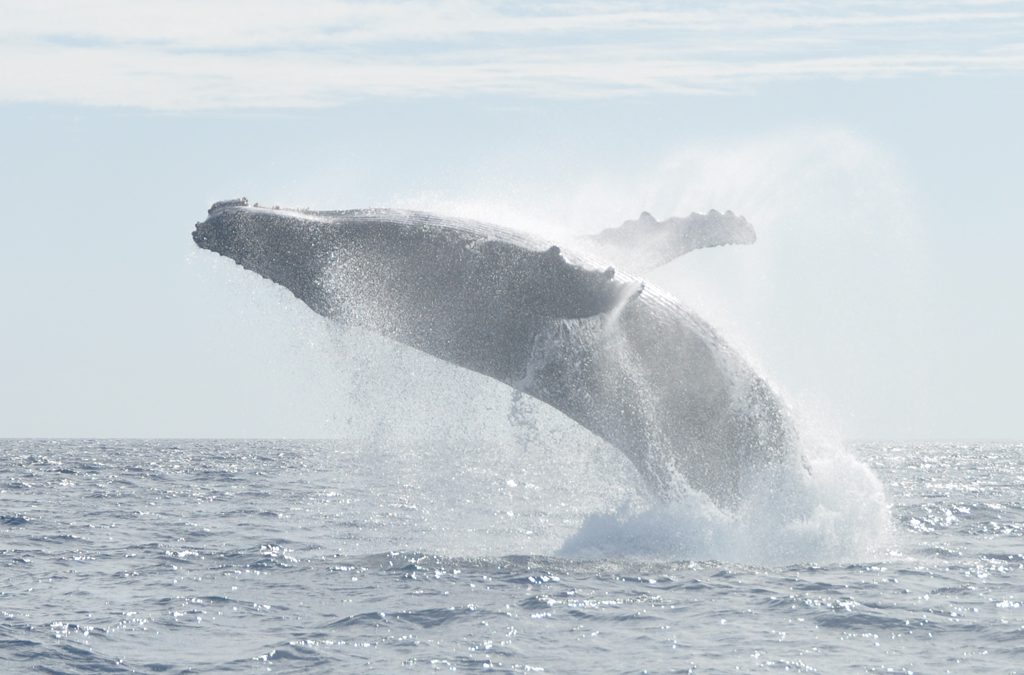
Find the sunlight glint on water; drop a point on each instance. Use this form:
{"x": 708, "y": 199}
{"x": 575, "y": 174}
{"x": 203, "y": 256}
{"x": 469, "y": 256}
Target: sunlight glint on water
{"x": 235, "y": 555}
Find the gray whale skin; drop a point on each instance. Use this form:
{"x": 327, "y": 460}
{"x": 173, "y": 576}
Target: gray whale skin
{"x": 621, "y": 358}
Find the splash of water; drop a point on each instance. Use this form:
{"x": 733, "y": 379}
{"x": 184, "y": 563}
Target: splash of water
{"x": 828, "y": 206}
{"x": 489, "y": 452}
{"x": 822, "y": 505}
{"x": 836, "y": 512}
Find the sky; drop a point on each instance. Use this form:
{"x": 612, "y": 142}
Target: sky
{"x": 876, "y": 148}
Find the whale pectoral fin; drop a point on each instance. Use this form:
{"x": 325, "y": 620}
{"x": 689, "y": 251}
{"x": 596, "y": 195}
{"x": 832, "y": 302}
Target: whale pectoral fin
{"x": 645, "y": 243}
{"x": 594, "y": 293}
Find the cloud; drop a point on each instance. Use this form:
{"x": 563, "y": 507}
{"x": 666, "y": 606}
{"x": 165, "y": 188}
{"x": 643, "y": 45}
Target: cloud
{"x": 214, "y": 54}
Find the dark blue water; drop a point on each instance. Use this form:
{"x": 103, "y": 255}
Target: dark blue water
{"x": 238, "y": 556}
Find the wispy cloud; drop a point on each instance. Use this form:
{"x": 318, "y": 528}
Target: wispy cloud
{"x": 207, "y": 54}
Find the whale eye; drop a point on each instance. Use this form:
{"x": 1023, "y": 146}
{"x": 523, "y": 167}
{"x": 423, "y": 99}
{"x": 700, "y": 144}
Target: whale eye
{"x": 609, "y": 273}
{"x": 554, "y": 250}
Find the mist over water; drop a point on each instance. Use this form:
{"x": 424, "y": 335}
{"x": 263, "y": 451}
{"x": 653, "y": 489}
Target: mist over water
{"x": 464, "y": 435}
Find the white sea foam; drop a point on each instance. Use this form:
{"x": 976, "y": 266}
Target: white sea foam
{"x": 833, "y": 510}
{"x": 497, "y": 466}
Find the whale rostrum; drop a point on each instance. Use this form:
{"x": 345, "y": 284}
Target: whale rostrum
{"x": 616, "y": 355}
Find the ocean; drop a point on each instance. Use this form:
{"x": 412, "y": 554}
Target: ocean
{"x": 335, "y": 556}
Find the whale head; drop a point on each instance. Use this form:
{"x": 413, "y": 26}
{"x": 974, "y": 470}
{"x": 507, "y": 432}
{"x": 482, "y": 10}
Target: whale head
{"x": 409, "y": 262}
{"x": 288, "y": 247}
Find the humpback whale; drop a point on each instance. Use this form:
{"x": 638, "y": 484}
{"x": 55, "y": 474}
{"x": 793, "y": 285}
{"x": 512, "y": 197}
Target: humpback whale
{"x": 618, "y": 356}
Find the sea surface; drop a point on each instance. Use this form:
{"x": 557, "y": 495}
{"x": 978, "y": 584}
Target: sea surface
{"x": 334, "y": 556}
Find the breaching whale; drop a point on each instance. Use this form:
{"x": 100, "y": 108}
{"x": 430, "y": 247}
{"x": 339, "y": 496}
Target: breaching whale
{"x": 620, "y": 357}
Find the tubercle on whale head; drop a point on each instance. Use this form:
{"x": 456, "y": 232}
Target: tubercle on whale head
{"x": 283, "y": 246}
{"x": 205, "y": 237}
{"x": 230, "y": 230}
{"x": 211, "y": 236}
{"x": 225, "y": 203}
